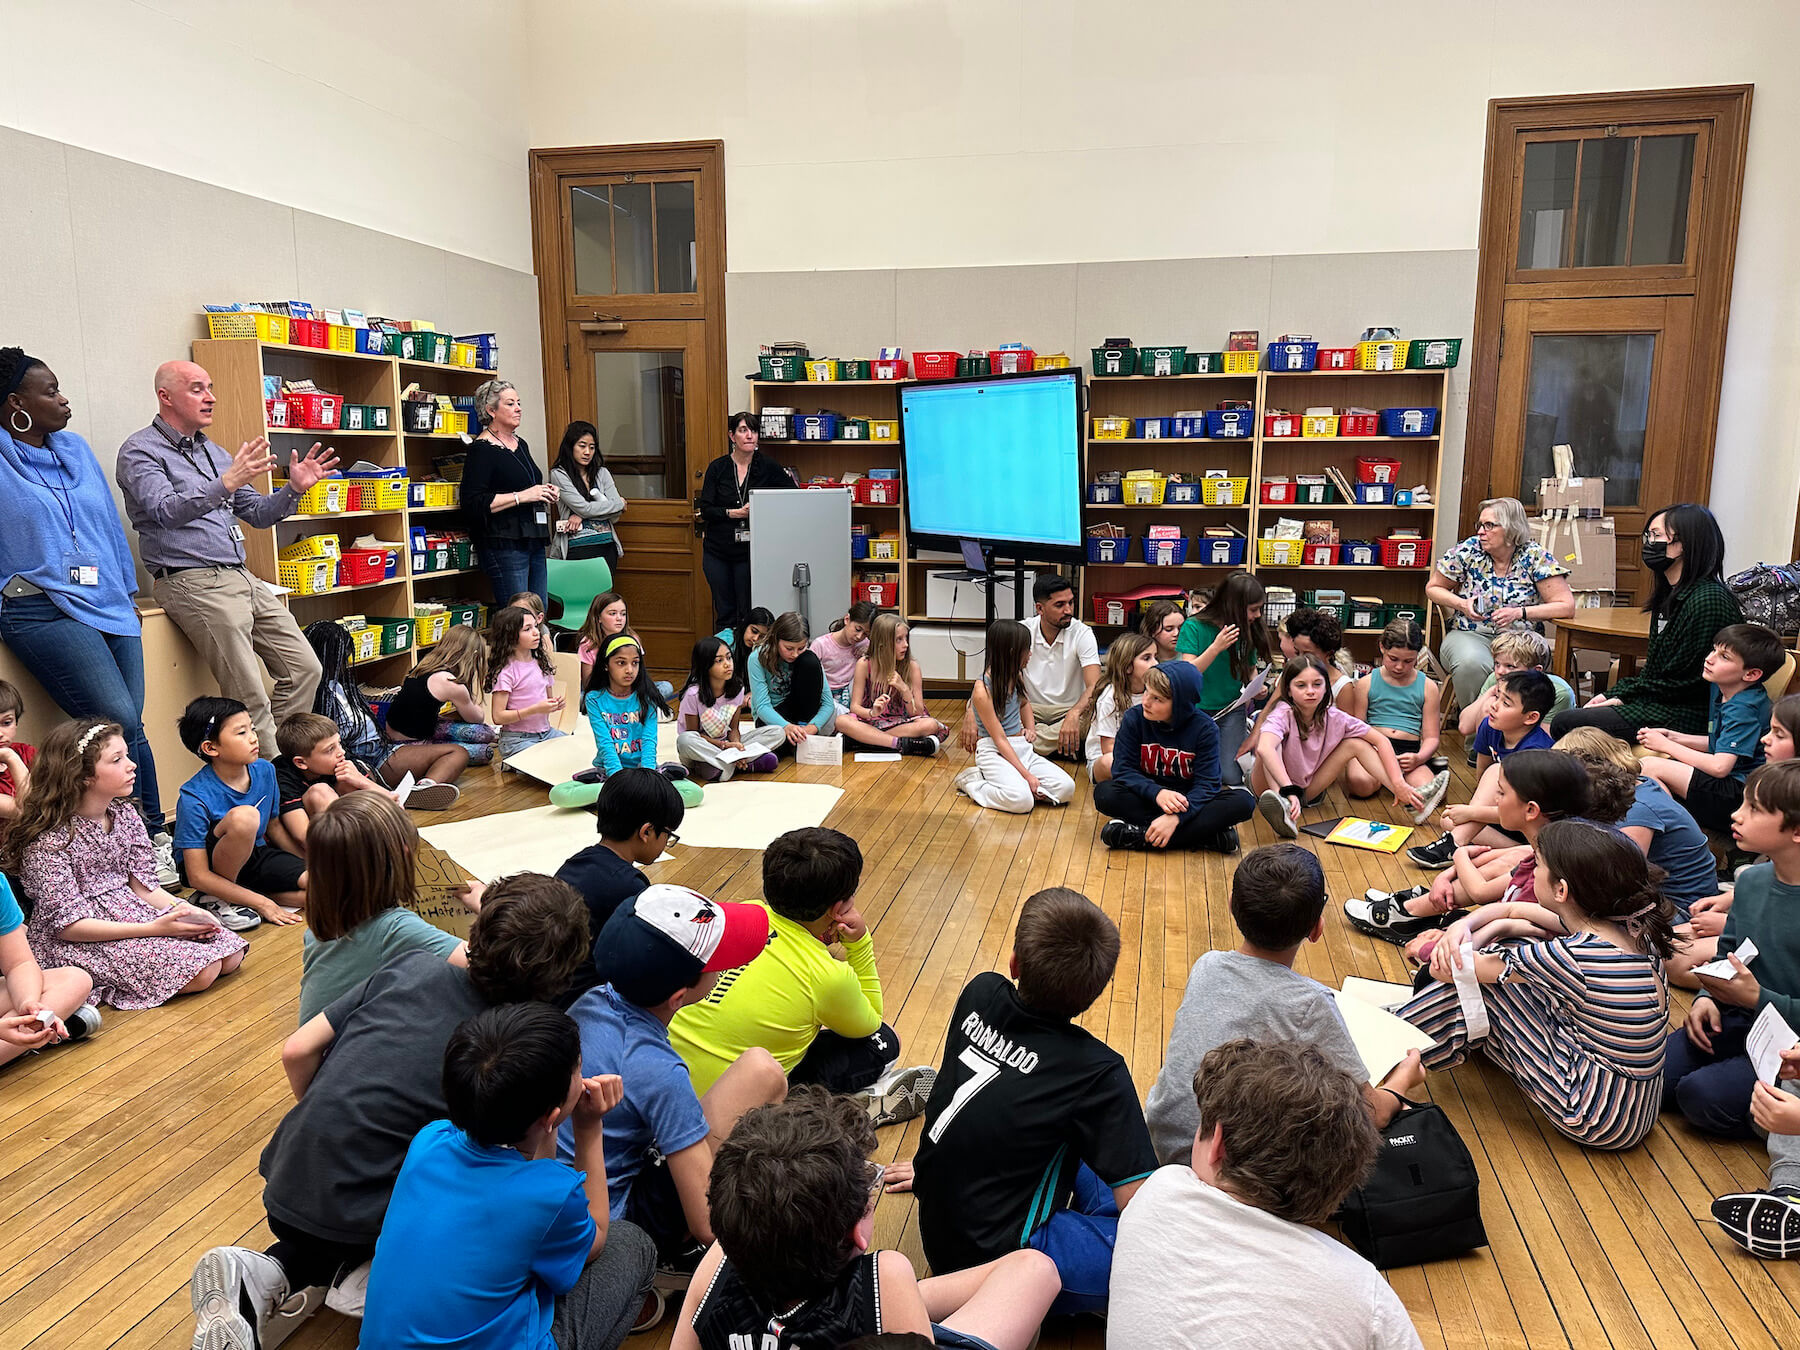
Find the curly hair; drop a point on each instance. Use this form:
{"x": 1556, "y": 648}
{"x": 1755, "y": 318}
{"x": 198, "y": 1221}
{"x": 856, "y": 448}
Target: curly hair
{"x": 64, "y": 767}
{"x": 529, "y": 939}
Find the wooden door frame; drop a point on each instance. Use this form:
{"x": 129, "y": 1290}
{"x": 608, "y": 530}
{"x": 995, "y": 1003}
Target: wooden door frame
{"x": 548, "y": 168}
{"x": 1727, "y": 109}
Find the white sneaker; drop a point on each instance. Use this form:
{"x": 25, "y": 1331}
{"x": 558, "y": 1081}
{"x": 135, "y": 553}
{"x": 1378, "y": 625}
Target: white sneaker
{"x": 234, "y": 1292}
{"x": 83, "y": 1022}
{"x": 427, "y": 795}
{"x": 1432, "y": 797}
{"x": 348, "y": 1294}
{"x": 166, "y": 875}
{"x": 235, "y": 917}
{"x": 898, "y": 1095}
{"x": 1246, "y": 762}
{"x": 967, "y": 779}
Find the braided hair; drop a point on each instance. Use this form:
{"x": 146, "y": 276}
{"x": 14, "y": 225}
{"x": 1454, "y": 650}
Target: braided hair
{"x": 340, "y": 697}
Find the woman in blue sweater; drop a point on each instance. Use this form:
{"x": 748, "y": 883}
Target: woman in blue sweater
{"x": 66, "y": 571}
{"x": 1165, "y": 790}
{"x": 787, "y": 683}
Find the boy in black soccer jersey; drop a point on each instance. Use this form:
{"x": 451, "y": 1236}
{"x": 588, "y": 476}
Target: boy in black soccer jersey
{"x": 1033, "y": 1134}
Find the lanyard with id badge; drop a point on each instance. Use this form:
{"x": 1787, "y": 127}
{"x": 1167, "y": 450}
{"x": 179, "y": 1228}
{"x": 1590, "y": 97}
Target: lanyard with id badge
{"x": 742, "y": 534}
{"x": 80, "y": 566}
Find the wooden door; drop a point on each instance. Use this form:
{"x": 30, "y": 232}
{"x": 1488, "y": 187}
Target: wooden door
{"x": 660, "y": 416}
{"x": 629, "y": 242}
{"x": 1608, "y": 378}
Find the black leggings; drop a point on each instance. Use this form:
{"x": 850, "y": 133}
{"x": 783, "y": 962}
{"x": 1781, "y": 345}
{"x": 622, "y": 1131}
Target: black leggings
{"x": 1228, "y": 806}
{"x": 730, "y": 583}
{"x": 307, "y": 1260}
{"x": 806, "y": 690}
{"x": 1608, "y": 719}
{"x": 841, "y": 1064}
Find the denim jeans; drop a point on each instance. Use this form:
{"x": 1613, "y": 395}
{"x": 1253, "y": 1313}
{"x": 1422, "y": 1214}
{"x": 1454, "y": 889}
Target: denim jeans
{"x": 512, "y": 568}
{"x": 89, "y": 674}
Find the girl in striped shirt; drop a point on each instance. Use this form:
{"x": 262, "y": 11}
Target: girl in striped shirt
{"x": 1572, "y": 986}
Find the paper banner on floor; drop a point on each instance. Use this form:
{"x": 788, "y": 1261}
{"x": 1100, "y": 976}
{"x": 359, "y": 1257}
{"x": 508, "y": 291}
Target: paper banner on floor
{"x": 734, "y": 815}
{"x": 559, "y": 759}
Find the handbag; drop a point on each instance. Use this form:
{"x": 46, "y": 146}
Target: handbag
{"x": 1422, "y": 1200}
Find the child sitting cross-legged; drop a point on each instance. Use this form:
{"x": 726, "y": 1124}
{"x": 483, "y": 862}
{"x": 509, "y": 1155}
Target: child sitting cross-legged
{"x": 662, "y": 950}
{"x": 886, "y": 694}
{"x": 1400, "y": 702}
{"x": 80, "y": 848}
{"x": 793, "y": 1199}
{"x": 842, "y": 647}
{"x": 621, "y": 706}
{"x": 812, "y": 997}
{"x": 1522, "y": 700}
{"x": 1767, "y": 1223}
{"x": 522, "y": 682}
{"x": 1707, "y": 772}
{"x": 222, "y": 821}
{"x": 551, "y": 1270}
{"x": 1515, "y": 649}
{"x": 1165, "y": 790}
{"x": 1306, "y": 744}
{"x": 313, "y": 772}
{"x": 27, "y": 991}
{"x": 452, "y": 674}
{"x": 1571, "y": 986}
{"x": 1224, "y": 1250}
{"x": 367, "y": 1076}
{"x": 1033, "y": 1134}
{"x": 360, "y": 916}
{"x": 1129, "y": 660}
{"x": 709, "y": 714}
{"x": 1278, "y": 904}
{"x": 1709, "y": 1076}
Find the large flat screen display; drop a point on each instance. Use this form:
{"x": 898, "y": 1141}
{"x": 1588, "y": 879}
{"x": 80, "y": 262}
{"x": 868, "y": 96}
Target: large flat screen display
{"x": 998, "y": 461}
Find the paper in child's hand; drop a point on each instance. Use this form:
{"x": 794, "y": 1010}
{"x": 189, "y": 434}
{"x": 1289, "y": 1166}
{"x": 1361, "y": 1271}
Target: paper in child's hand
{"x": 1722, "y": 969}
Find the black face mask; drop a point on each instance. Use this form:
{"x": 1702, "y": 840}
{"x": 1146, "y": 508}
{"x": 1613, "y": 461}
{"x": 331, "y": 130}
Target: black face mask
{"x": 1655, "y": 554}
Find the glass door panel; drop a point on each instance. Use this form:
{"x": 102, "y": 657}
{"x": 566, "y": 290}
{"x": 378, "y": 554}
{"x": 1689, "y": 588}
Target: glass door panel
{"x": 1591, "y": 392}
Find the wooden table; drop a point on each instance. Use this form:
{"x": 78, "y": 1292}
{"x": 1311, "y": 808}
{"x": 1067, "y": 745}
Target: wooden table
{"x": 1624, "y": 632}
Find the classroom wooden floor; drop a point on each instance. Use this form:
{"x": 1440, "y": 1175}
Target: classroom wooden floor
{"x": 123, "y": 1159}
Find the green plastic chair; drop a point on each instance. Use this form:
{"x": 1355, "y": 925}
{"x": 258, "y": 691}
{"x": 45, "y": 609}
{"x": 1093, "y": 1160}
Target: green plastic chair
{"x": 574, "y": 582}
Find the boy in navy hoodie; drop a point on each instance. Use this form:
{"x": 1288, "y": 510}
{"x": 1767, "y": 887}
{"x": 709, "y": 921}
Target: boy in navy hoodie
{"x": 1165, "y": 790}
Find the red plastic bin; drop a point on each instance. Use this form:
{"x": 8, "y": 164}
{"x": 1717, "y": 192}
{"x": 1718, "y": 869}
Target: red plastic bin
{"x": 888, "y": 370}
{"x": 1405, "y": 552}
{"x": 1278, "y": 494}
{"x": 934, "y": 365}
{"x": 881, "y": 594}
{"x": 309, "y": 333}
{"x": 1318, "y": 555}
{"x": 1370, "y": 469}
{"x": 360, "y": 566}
{"x": 877, "y": 491}
{"x": 1336, "y": 358}
{"x": 1012, "y": 362}
{"x": 315, "y": 412}
{"x": 1278, "y": 426}
{"x": 1358, "y": 424}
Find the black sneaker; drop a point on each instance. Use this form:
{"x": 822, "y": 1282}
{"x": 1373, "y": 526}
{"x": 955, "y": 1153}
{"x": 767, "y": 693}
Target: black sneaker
{"x": 1471, "y": 756}
{"x": 1763, "y": 1223}
{"x": 1388, "y": 920}
{"x": 925, "y": 746}
{"x": 1225, "y": 841}
{"x": 83, "y": 1022}
{"x": 1123, "y": 834}
{"x": 1438, "y": 763}
{"x": 1435, "y": 856}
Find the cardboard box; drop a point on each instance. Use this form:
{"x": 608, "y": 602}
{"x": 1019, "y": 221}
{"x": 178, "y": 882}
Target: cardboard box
{"x": 1585, "y": 546}
{"x": 1573, "y": 496}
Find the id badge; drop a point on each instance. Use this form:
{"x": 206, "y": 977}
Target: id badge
{"x": 543, "y": 517}
{"x": 743, "y": 534}
{"x": 82, "y": 568}
{"x": 237, "y": 532}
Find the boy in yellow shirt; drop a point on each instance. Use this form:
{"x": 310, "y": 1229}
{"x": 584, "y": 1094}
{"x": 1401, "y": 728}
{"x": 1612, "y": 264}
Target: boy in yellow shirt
{"x": 812, "y": 997}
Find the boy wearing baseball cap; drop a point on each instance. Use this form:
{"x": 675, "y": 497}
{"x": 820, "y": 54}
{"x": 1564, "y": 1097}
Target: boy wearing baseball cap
{"x": 661, "y": 951}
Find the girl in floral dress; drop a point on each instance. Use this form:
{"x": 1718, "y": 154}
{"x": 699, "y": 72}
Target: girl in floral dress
{"x": 87, "y": 862}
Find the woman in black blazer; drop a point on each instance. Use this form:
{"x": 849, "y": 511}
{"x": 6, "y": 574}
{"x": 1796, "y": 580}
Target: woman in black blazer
{"x": 725, "y": 517}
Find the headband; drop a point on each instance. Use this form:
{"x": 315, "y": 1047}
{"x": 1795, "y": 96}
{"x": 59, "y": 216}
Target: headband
{"x": 18, "y": 375}
{"x": 88, "y": 736}
{"x": 622, "y": 640}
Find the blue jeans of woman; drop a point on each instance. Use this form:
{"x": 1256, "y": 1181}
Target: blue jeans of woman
{"x": 515, "y": 567}
{"x": 89, "y": 674}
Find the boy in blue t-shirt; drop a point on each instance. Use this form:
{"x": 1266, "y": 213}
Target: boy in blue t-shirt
{"x": 1521, "y": 701}
{"x": 662, "y": 950}
{"x": 1707, "y": 772}
{"x": 222, "y": 822}
{"x": 550, "y": 1268}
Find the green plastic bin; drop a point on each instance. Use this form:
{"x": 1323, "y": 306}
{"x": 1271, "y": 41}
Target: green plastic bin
{"x": 1115, "y": 360}
{"x": 1162, "y": 360}
{"x": 1433, "y": 353}
{"x": 1203, "y": 363}
{"x": 782, "y": 368}
{"x": 973, "y": 365}
{"x": 852, "y": 369}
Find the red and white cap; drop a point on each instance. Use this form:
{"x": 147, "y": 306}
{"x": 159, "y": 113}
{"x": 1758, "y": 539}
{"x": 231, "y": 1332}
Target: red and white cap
{"x": 667, "y": 937}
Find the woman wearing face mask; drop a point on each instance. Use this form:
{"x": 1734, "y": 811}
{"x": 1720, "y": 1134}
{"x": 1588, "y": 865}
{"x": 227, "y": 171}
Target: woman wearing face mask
{"x": 1685, "y": 549}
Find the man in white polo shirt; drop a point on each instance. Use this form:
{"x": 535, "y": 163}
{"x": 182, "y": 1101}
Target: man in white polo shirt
{"x": 1062, "y": 674}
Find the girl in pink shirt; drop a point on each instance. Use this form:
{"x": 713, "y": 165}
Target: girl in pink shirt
{"x": 1306, "y": 744}
{"x": 523, "y": 698}
{"x": 839, "y": 650}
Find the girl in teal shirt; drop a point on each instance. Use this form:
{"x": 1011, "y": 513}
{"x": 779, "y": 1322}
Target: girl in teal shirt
{"x": 621, "y": 705}
{"x": 1228, "y": 640}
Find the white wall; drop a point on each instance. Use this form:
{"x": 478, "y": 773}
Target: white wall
{"x": 404, "y": 116}
{"x": 939, "y": 133}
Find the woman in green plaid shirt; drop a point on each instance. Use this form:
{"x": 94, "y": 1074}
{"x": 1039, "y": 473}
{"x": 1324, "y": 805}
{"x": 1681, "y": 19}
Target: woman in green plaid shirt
{"x": 1684, "y": 547}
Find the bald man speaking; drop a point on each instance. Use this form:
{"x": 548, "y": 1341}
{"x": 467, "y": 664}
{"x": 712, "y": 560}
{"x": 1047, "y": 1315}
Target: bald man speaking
{"x": 182, "y": 493}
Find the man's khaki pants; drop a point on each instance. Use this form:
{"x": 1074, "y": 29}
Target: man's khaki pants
{"x": 234, "y": 620}
{"x": 1049, "y": 728}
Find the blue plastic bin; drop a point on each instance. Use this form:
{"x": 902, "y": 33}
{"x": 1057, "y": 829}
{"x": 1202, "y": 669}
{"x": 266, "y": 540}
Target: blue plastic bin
{"x": 1358, "y": 553}
{"x": 814, "y": 426}
{"x": 1109, "y": 550}
{"x": 1154, "y": 428}
{"x": 1409, "y": 421}
{"x": 1235, "y": 424}
{"x": 1105, "y": 494}
{"x": 1165, "y": 552}
{"x": 1220, "y": 552}
{"x": 1187, "y": 427}
{"x": 1293, "y": 356}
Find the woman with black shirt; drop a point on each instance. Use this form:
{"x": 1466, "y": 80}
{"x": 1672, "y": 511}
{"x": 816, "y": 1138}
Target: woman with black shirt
{"x": 725, "y": 514}
{"x": 505, "y": 500}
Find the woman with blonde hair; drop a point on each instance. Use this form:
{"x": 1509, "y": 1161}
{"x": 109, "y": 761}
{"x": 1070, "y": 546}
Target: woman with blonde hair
{"x": 506, "y": 503}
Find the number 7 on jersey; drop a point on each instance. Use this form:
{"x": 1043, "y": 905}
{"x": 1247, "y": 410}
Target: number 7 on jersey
{"x": 982, "y": 1071}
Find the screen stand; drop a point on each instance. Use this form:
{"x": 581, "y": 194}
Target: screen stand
{"x": 1018, "y": 589}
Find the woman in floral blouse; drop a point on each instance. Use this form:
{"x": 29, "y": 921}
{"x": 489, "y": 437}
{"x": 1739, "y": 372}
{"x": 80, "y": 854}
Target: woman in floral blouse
{"x": 1685, "y": 548}
{"x": 1497, "y": 578}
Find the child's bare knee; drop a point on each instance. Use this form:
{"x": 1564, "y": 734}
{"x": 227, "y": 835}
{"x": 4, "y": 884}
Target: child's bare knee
{"x": 318, "y": 797}
{"x": 763, "y": 1073}
{"x": 240, "y": 820}
{"x": 205, "y": 978}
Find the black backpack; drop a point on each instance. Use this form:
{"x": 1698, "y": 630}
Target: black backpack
{"x": 1422, "y": 1201}
{"x": 1769, "y": 594}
